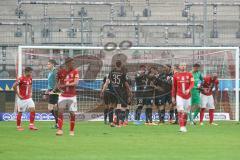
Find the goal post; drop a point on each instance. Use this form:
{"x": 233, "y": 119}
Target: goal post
{"x": 223, "y": 60}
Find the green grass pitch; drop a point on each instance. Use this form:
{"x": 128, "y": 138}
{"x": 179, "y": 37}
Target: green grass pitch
{"x": 96, "y": 141}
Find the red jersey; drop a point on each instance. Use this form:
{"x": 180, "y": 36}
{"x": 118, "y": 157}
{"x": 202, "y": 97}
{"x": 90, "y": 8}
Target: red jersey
{"x": 61, "y": 74}
{"x": 208, "y": 84}
{"x": 25, "y": 87}
{"x": 182, "y": 81}
{"x": 69, "y": 77}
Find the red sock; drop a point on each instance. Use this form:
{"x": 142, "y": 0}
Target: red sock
{"x": 60, "y": 121}
{"x": 32, "y": 117}
{"x": 181, "y": 119}
{"x": 185, "y": 117}
{"x": 202, "y": 114}
{"x": 19, "y": 117}
{"x": 72, "y": 122}
{"x": 211, "y": 115}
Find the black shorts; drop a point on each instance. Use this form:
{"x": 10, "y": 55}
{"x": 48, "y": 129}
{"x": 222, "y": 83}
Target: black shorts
{"x": 148, "y": 101}
{"x": 140, "y": 97}
{"x": 163, "y": 99}
{"x": 124, "y": 101}
{"x": 53, "y": 99}
{"x": 159, "y": 100}
{"x": 121, "y": 97}
{"x": 168, "y": 98}
{"x": 109, "y": 98}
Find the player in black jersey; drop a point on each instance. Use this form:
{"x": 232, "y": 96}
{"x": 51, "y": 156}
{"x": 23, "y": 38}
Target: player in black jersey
{"x": 160, "y": 93}
{"x": 117, "y": 82}
{"x": 127, "y": 101}
{"x": 109, "y": 100}
{"x": 149, "y": 94}
{"x": 163, "y": 87}
{"x": 140, "y": 80}
{"x": 169, "y": 78}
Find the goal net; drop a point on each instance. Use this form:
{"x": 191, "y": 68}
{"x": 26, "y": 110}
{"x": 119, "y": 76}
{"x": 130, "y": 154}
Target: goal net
{"x": 94, "y": 63}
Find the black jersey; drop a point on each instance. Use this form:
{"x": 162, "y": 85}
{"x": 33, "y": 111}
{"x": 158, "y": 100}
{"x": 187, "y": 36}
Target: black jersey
{"x": 164, "y": 81}
{"x": 160, "y": 84}
{"x": 140, "y": 80}
{"x": 117, "y": 79}
{"x": 149, "y": 87}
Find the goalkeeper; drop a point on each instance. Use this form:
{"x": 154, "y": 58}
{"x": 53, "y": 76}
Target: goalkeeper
{"x": 195, "y": 93}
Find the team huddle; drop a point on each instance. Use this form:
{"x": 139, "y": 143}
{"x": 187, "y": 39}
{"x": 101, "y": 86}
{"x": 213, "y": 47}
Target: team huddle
{"x": 182, "y": 91}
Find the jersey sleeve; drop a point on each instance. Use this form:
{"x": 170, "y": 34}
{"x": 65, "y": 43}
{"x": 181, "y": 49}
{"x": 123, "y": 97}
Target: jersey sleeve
{"x": 19, "y": 80}
{"x": 76, "y": 74}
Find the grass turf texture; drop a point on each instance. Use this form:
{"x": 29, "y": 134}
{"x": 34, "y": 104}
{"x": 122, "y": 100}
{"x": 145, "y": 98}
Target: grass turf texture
{"x": 96, "y": 141}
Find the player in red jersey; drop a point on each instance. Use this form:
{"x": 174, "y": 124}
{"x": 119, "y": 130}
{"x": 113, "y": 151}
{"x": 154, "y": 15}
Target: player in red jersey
{"x": 68, "y": 81}
{"x": 207, "y": 100}
{"x": 23, "y": 89}
{"x": 183, "y": 82}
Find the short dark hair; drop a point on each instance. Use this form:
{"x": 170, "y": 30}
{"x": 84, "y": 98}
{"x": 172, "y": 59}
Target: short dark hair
{"x": 142, "y": 66}
{"x": 168, "y": 65}
{"x": 153, "y": 67}
{"x": 196, "y": 65}
{"x": 68, "y": 59}
{"x": 28, "y": 69}
{"x": 52, "y": 61}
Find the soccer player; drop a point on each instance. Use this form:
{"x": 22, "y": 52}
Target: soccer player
{"x": 53, "y": 96}
{"x": 183, "y": 82}
{"x": 127, "y": 101}
{"x": 117, "y": 81}
{"x": 149, "y": 95}
{"x": 140, "y": 80}
{"x": 207, "y": 100}
{"x": 195, "y": 93}
{"x": 23, "y": 89}
{"x": 160, "y": 93}
{"x": 163, "y": 85}
{"x": 175, "y": 70}
{"x": 68, "y": 81}
{"x": 105, "y": 99}
{"x": 109, "y": 100}
{"x": 168, "y": 96}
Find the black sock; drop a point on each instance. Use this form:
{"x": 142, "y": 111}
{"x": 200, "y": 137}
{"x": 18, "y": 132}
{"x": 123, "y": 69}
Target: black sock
{"x": 126, "y": 114}
{"x": 146, "y": 114}
{"x": 56, "y": 116}
{"x": 110, "y": 115}
{"x": 118, "y": 115}
{"x": 176, "y": 116}
{"x": 159, "y": 115}
{"x": 150, "y": 115}
{"x": 138, "y": 113}
{"x": 171, "y": 114}
{"x": 123, "y": 116}
{"x": 105, "y": 112}
{"x": 162, "y": 115}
